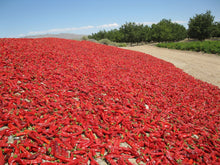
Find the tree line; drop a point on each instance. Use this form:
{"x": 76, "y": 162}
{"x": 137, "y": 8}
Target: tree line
{"x": 201, "y": 27}
{"x": 132, "y": 32}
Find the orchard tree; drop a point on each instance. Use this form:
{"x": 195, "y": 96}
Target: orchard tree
{"x": 132, "y": 32}
{"x": 179, "y": 32}
{"x": 128, "y": 31}
{"x": 142, "y": 33}
{"x": 200, "y": 26}
{"x": 147, "y": 33}
{"x": 99, "y": 35}
{"x": 166, "y": 30}
{"x": 216, "y": 30}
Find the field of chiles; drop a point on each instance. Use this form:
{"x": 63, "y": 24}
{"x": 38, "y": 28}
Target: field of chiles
{"x": 78, "y": 102}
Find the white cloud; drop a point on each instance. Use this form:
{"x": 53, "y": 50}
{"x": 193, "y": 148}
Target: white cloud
{"x": 21, "y": 35}
{"x": 180, "y": 22}
{"x": 217, "y": 20}
{"x": 72, "y": 29}
{"x": 148, "y": 23}
{"x": 113, "y": 25}
{"x": 60, "y": 30}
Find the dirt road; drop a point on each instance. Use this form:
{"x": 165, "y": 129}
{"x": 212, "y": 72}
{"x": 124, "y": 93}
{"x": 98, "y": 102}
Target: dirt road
{"x": 205, "y": 67}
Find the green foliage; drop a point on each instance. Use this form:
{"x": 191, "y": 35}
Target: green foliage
{"x": 108, "y": 42}
{"x": 98, "y": 36}
{"x": 166, "y": 30}
{"x": 121, "y": 44}
{"x": 204, "y": 46}
{"x": 85, "y": 38}
{"x": 105, "y": 41}
{"x": 200, "y": 26}
{"x": 131, "y": 32}
{"x": 215, "y": 29}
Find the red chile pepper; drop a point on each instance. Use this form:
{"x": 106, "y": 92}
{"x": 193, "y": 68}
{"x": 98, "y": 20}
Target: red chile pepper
{"x": 11, "y": 126}
{"x": 12, "y": 161}
{"x": 3, "y": 143}
{"x": 103, "y": 118}
{"x": 65, "y": 134}
{"x": 33, "y": 135}
{"x": 67, "y": 144}
{"x": 170, "y": 157}
{"x": 8, "y": 150}
{"x": 98, "y": 132}
{"x": 85, "y": 144}
{"x": 34, "y": 161}
{"x": 93, "y": 162}
{"x": 49, "y": 163}
{"x": 3, "y": 123}
{"x": 106, "y": 132}
{"x": 2, "y": 161}
{"x": 106, "y": 137}
{"x": 22, "y": 133}
{"x": 51, "y": 119}
{"x": 90, "y": 135}
{"x": 24, "y": 150}
{"x": 45, "y": 140}
{"x": 131, "y": 144}
{"x": 121, "y": 161}
{"x": 55, "y": 149}
{"x": 2, "y": 133}
{"x": 57, "y": 153}
{"x": 29, "y": 156}
{"x": 18, "y": 124}
{"x": 46, "y": 157}
{"x": 64, "y": 159}
{"x": 102, "y": 151}
{"x": 79, "y": 152}
{"x": 110, "y": 160}
{"x": 157, "y": 153}
{"x": 61, "y": 144}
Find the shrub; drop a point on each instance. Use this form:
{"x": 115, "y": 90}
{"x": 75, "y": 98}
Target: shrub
{"x": 85, "y": 38}
{"x": 121, "y": 44}
{"x": 205, "y": 46}
{"x": 108, "y": 42}
{"x": 105, "y": 41}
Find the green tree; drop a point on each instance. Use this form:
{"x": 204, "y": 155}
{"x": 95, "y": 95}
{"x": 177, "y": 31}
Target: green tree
{"x": 216, "y": 30}
{"x": 155, "y": 33}
{"x": 147, "y": 33}
{"x": 118, "y": 36}
{"x": 200, "y": 26}
{"x": 131, "y": 32}
{"x": 179, "y": 32}
{"x": 99, "y": 35}
{"x": 140, "y": 33}
{"x": 166, "y": 30}
{"x": 114, "y": 35}
{"x": 128, "y": 31}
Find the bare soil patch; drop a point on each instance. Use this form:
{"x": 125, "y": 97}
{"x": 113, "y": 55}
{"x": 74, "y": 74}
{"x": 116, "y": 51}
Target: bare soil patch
{"x": 205, "y": 67}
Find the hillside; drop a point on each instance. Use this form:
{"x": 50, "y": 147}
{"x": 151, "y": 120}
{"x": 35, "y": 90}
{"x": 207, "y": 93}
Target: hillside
{"x": 60, "y": 35}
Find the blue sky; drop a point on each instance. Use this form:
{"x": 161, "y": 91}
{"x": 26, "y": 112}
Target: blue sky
{"x": 30, "y": 17}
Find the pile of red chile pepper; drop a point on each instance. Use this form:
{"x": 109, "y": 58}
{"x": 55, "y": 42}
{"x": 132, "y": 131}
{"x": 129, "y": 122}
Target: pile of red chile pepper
{"x": 78, "y": 102}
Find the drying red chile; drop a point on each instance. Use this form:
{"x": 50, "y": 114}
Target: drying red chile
{"x": 78, "y": 102}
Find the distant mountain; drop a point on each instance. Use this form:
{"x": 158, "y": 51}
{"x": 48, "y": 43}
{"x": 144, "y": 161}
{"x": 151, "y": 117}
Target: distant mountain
{"x": 60, "y": 35}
